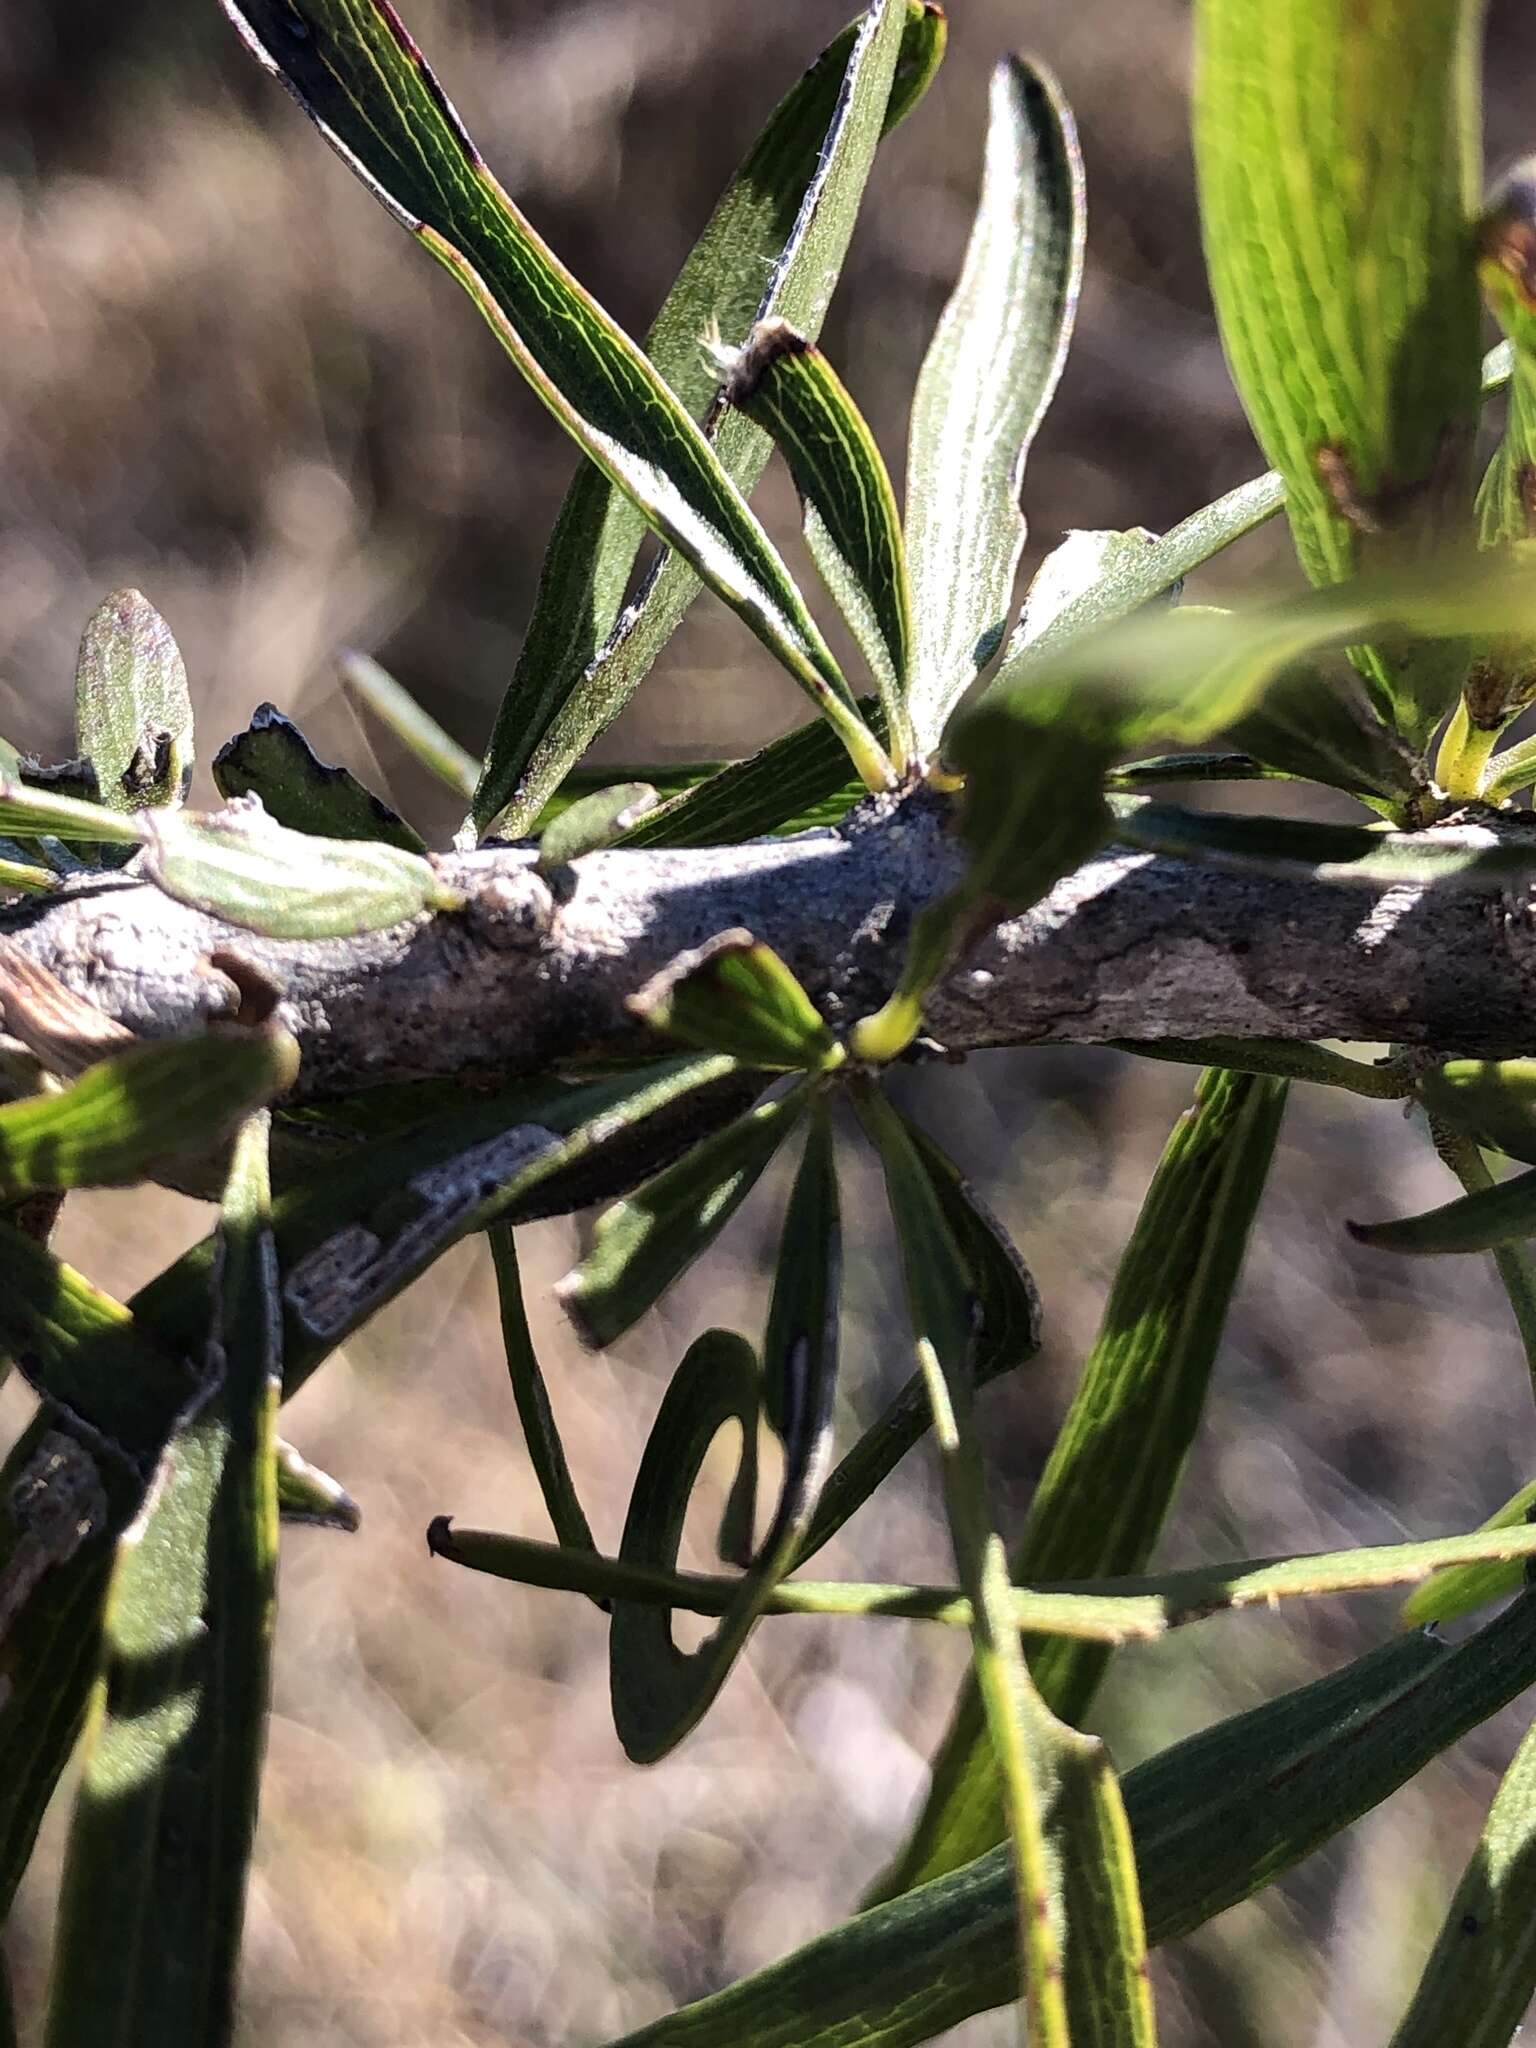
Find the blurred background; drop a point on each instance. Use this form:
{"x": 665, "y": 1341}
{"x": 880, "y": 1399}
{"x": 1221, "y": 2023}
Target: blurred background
{"x": 227, "y": 378}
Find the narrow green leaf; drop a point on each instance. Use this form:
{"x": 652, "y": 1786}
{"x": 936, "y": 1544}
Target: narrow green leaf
{"x": 1481, "y": 1976}
{"x": 133, "y": 717}
{"x": 416, "y": 730}
{"x": 29, "y": 812}
{"x": 1215, "y": 1819}
{"x": 989, "y": 375}
{"x": 1479, "y": 1222}
{"x": 659, "y": 1691}
{"x": 140, "y": 1107}
{"x": 24, "y": 879}
{"x": 1116, "y": 1464}
{"x": 1347, "y": 302}
{"x": 540, "y": 1431}
{"x": 1471, "y": 855}
{"x": 272, "y": 760}
{"x": 642, "y": 1244}
{"x": 1462, "y": 1589}
{"x": 735, "y": 995}
{"x": 1081, "y": 1942}
{"x": 1319, "y": 724}
{"x": 785, "y": 219}
{"x": 852, "y": 525}
{"x": 1288, "y": 1058}
{"x": 669, "y": 779}
{"x": 248, "y": 870}
{"x": 166, "y": 1809}
{"x": 795, "y": 782}
{"x": 593, "y": 821}
{"x": 1108, "y": 1611}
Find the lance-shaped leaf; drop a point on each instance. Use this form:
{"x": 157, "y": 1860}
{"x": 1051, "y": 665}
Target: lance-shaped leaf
{"x": 1463, "y": 1588}
{"x": 1007, "y": 1333}
{"x": 1098, "y": 1612}
{"x": 272, "y": 760}
{"x": 669, "y": 779}
{"x": 659, "y": 1691}
{"x": 540, "y": 1432}
{"x": 241, "y": 866}
{"x": 786, "y": 218}
{"x": 986, "y": 382}
{"x": 1117, "y": 1461}
{"x": 163, "y": 1820}
{"x": 416, "y": 730}
{"x": 1290, "y": 1059}
{"x": 308, "y": 1495}
{"x": 736, "y": 995}
{"x": 23, "y": 879}
{"x": 140, "y": 1107}
{"x": 1481, "y": 1975}
{"x": 133, "y": 717}
{"x": 1081, "y": 1942}
{"x": 1473, "y": 856}
{"x": 852, "y": 525}
{"x": 593, "y": 821}
{"x": 796, "y": 781}
{"x": 642, "y": 1244}
{"x": 1478, "y": 1222}
{"x": 29, "y": 812}
{"x": 1338, "y": 156}
{"x": 1215, "y": 1819}
{"x": 356, "y": 72}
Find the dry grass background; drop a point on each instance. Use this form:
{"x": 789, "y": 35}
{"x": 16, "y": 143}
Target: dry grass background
{"x": 224, "y": 376}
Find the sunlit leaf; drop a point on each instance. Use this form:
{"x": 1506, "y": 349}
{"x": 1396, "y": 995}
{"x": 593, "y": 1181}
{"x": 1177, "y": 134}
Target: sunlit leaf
{"x": 246, "y": 869}
{"x": 272, "y": 759}
{"x": 306, "y": 1494}
{"x": 773, "y": 246}
{"x": 1347, "y": 302}
{"x": 142, "y": 1107}
{"x": 852, "y": 525}
{"x": 26, "y": 811}
{"x": 735, "y": 995}
{"x": 988, "y": 377}
{"x": 163, "y": 1819}
{"x": 1462, "y": 1589}
{"x": 133, "y": 717}
{"x": 593, "y": 821}
{"x": 642, "y": 1244}
{"x": 1117, "y": 1461}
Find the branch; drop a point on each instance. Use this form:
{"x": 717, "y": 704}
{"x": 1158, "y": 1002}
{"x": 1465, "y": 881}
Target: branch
{"x": 534, "y": 973}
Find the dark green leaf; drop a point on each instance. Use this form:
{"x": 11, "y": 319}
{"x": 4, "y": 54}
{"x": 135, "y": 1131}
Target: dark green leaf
{"x": 1481, "y": 1976}
{"x": 659, "y": 1691}
{"x": 989, "y": 376}
{"x": 735, "y": 995}
{"x": 785, "y": 219}
{"x": 1080, "y": 1934}
{"x": 244, "y": 868}
{"x": 794, "y": 782}
{"x": 141, "y": 1107}
{"x": 852, "y": 525}
{"x": 1290, "y": 1059}
{"x": 272, "y": 759}
{"x": 1215, "y": 1819}
{"x": 166, "y": 1809}
{"x": 133, "y": 717}
{"x": 1347, "y": 302}
{"x": 642, "y": 1244}
{"x": 1477, "y": 1222}
{"x": 1118, "y": 1459}
{"x": 540, "y": 1432}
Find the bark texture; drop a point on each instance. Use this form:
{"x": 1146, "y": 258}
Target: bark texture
{"x": 535, "y": 971}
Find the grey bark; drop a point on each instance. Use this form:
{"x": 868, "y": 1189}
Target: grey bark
{"x": 533, "y": 973}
